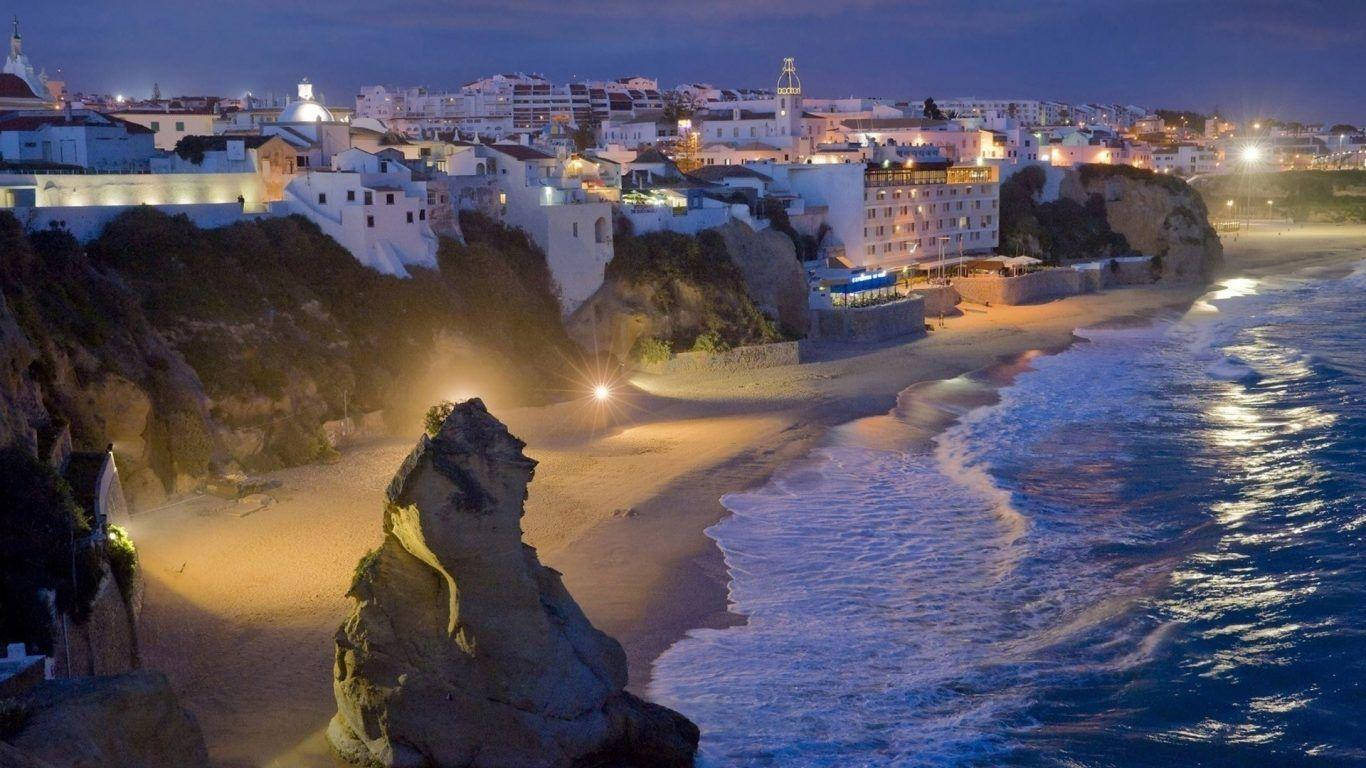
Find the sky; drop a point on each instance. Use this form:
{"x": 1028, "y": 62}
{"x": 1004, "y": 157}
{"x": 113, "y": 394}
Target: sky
{"x": 1296, "y": 59}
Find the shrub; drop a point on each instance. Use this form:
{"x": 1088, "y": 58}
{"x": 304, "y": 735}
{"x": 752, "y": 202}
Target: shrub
{"x": 436, "y": 416}
{"x": 648, "y": 349}
{"x": 710, "y": 342}
{"x": 40, "y": 523}
{"x": 123, "y": 560}
{"x": 363, "y": 566}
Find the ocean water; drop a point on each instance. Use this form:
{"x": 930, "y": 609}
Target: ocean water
{"x": 1146, "y": 550}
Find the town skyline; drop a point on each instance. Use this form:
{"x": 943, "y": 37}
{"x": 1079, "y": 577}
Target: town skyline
{"x": 1265, "y": 60}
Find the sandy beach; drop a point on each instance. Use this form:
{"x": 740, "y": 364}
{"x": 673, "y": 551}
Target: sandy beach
{"x": 242, "y": 603}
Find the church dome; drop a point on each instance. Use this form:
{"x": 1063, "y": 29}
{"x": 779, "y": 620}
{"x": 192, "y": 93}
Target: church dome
{"x": 305, "y": 110}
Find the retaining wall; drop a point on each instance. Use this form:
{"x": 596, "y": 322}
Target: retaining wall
{"x": 1032, "y": 288}
{"x": 904, "y": 317}
{"x": 939, "y": 299}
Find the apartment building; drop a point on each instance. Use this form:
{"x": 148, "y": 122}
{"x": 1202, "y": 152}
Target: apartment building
{"x": 920, "y": 212}
{"x": 504, "y": 103}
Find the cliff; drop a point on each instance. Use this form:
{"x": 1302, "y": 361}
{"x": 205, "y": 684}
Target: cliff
{"x": 198, "y": 351}
{"x": 1159, "y": 216}
{"x": 463, "y": 650}
{"x": 731, "y": 285}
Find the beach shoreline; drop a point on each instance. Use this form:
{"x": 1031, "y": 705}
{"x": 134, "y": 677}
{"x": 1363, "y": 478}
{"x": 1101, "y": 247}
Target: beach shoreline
{"x": 619, "y": 509}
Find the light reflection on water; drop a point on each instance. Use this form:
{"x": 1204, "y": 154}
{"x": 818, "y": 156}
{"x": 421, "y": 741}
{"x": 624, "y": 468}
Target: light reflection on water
{"x": 1147, "y": 554}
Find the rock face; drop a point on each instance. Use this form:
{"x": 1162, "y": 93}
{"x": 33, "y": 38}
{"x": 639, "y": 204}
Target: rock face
{"x": 463, "y": 650}
{"x": 1160, "y": 216}
{"x": 774, "y": 277}
{"x": 131, "y": 721}
{"x": 673, "y": 287}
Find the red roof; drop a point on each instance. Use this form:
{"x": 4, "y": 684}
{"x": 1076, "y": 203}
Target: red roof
{"x": 14, "y": 87}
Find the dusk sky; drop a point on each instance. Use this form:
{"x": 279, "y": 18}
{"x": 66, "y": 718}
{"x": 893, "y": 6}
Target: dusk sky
{"x": 1289, "y": 59}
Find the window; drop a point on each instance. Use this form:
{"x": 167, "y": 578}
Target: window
{"x": 600, "y": 231}
{"x": 350, "y": 195}
{"x": 156, "y": 126}
{"x": 370, "y": 221}
{"x": 872, "y": 213}
{"x": 322, "y": 198}
{"x": 410, "y": 217}
{"x": 388, "y": 198}
{"x": 179, "y": 127}
{"x": 422, "y": 215}
{"x": 576, "y": 229}
{"x": 384, "y": 166}
{"x": 369, "y": 197}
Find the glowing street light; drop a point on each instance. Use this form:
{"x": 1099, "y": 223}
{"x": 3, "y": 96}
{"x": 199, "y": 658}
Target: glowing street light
{"x": 601, "y": 392}
{"x": 1251, "y": 154}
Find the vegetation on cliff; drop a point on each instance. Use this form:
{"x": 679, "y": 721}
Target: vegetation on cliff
{"x": 40, "y": 524}
{"x": 1057, "y": 231}
{"x": 1316, "y": 196}
{"x": 690, "y": 288}
{"x": 234, "y": 346}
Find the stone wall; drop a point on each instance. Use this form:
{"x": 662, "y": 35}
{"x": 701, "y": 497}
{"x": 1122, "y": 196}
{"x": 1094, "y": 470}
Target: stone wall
{"x": 1032, "y": 288}
{"x": 939, "y": 299}
{"x": 739, "y": 358}
{"x": 904, "y": 317}
{"x": 106, "y": 643}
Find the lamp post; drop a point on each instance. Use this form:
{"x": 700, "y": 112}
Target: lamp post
{"x": 1251, "y": 154}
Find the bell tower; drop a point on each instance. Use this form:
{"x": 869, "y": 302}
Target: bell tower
{"x": 787, "y": 104}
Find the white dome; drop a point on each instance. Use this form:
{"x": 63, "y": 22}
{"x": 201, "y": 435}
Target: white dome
{"x": 305, "y": 112}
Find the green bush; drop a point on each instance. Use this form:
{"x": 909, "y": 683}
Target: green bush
{"x": 123, "y": 560}
{"x": 648, "y": 349}
{"x": 710, "y": 342}
{"x": 41, "y": 526}
{"x": 436, "y": 416}
{"x": 366, "y": 562}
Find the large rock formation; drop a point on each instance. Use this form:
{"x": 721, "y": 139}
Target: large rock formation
{"x": 774, "y": 277}
{"x": 463, "y": 650}
{"x": 1160, "y": 216}
{"x": 131, "y": 721}
{"x": 672, "y": 288}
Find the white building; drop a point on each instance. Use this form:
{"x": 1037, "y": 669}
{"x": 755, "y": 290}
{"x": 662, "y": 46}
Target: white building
{"x": 311, "y": 128}
{"x": 567, "y": 216}
{"x": 31, "y": 85}
{"x": 75, "y": 137}
{"x": 170, "y": 127}
{"x": 372, "y": 207}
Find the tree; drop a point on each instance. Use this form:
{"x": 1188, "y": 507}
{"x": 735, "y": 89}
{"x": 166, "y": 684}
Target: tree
{"x": 678, "y": 106}
{"x": 156, "y": 92}
{"x": 932, "y": 110}
{"x": 1342, "y": 128}
{"x": 585, "y": 135}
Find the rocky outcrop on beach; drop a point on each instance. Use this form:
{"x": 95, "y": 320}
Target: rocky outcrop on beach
{"x": 463, "y": 650}
{"x": 132, "y": 721}
{"x": 669, "y": 289}
{"x": 1160, "y": 216}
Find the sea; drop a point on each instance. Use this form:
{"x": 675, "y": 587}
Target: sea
{"x": 1143, "y": 550}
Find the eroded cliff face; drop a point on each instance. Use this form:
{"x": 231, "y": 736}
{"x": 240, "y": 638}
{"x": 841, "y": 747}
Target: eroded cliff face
{"x": 672, "y": 288}
{"x": 463, "y": 650}
{"x": 246, "y": 348}
{"x": 1160, "y": 216}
